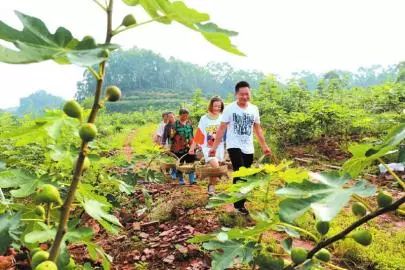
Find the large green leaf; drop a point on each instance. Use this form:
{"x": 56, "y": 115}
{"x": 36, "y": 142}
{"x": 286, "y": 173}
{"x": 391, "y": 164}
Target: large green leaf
{"x": 269, "y": 263}
{"x": 35, "y": 44}
{"x": 365, "y": 154}
{"x": 42, "y": 129}
{"x": 168, "y": 11}
{"x": 228, "y": 251}
{"x": 25, "y": 183}
{"x": 41, "y": 236}
{"x": 233, "y": 234}
{"x": 72, "y": 235}
{"x": 14, "y": 178}
{"x": 10, "y": 230}
{"x": 97, "y": 210}
{"x": 225, "y": 198}
{"x": 96, "y": 252}
{"x": 326, "y": 197}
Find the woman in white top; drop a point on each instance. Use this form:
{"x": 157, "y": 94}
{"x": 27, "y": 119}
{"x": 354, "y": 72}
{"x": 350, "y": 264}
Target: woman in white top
{"x": 205, "y": 137}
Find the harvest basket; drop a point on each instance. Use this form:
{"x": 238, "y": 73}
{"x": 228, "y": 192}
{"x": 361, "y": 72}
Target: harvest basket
{"x": 204, "y": 171}
{"x": 184, "y": 167}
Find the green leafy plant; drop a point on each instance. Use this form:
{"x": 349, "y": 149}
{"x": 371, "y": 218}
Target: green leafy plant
{"x": 35, "y": 43}
{"x": 324, "y": 194}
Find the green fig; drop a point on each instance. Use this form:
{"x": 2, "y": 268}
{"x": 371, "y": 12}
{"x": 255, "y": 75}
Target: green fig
{"x": 104, "y": 53}
{"x": 35, "y": 250}
{"x": 323, "y": 255}
{"x": 48, "y": 194}
{"x": 39, "y": 211}
{"x": 362, "y": 237}
{"x": 71, "y": 265}
{"x": 298, "y": 255}
{"x": 384, "y": 199}
{"x": 128, "y": 20}
{"x": 39, "y": 257}
{"x": 86, "y": 164}
{"x": 322, "y": 227}
{"x": 359, "y": 209}
{"x": 89, "y": 41}
{"x": 47, "y": 265}
{"x": 113, "y": 93}
{"x": 88, "y": 132}
{"x": 73, "y": 109}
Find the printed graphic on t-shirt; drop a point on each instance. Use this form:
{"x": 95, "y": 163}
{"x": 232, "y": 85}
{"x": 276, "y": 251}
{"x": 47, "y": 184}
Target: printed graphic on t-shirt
{"x": 211, "y": 132}
{"x": 243, "y": 123}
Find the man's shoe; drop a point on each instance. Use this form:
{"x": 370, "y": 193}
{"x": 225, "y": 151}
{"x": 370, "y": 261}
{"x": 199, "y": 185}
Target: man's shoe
{"x": 243, "y": 211}
{"x": 211, "y": 190}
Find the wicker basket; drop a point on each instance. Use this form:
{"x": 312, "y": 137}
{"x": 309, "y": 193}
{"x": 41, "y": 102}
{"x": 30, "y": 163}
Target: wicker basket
{"x": 184, "y": 167}
{"x": 166, "y": 166}
{"x": 204, "y": 171}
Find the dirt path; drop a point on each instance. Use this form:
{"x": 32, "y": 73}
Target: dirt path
{"x": 127, "y": 148}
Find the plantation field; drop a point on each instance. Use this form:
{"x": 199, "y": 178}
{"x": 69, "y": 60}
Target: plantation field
{"x": 133, "y": 217}
{"x": 83, "y": 185}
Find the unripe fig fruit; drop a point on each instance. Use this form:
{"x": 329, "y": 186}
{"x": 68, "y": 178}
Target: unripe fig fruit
{"x": 88, "y": 132}
{"x": 113, "y": 93}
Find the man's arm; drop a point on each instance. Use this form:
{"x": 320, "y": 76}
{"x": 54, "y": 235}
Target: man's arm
{"x": 257, "y": 128}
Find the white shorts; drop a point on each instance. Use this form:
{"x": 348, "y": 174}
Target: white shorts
{"x": 219, "y": 155}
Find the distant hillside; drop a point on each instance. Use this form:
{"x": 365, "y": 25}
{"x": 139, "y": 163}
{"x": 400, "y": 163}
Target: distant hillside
{"x": 149, "y": 80}
{"x": 37, "y": 102}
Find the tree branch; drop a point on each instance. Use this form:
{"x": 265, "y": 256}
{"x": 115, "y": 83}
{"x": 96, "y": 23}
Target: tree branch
{"x": 401, "y": 183}
{"x": 352, "y": 227}
{"x": 64, "y": 217}
{"x": 137, "y": 25}
{"x": 100, "y": 5}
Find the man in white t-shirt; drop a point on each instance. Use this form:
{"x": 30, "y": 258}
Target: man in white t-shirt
{"x": 161, "y": 128}
{"x": 240, "y": 120}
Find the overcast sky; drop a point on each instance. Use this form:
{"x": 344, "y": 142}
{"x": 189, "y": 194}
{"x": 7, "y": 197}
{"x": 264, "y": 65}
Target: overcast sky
{"x": 278, "y": 36}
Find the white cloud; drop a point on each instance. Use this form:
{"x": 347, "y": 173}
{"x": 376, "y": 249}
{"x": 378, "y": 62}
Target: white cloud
{"x": 278, "y": 36}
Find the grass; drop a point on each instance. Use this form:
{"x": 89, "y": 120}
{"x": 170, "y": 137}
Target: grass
{"x": 386, "y": 252}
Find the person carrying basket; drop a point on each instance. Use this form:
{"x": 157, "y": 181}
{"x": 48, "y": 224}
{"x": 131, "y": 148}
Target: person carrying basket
{"x": 240, "y": 120}
{"x": 180, "y": 137}
{"x": 206, "y": 135}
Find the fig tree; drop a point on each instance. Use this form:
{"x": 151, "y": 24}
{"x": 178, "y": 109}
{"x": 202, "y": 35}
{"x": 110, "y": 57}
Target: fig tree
{"x": 39, "y": 257}
{"x": 47, "y": 265}
{"x": 113, "y": 93}
{"x": 384, "y": 199}
{"x": 73, "y": 109}
{"x": 323, "y": 255}
{"x": 359, "y": 209}
{"x": 322, "y": 227}
{"x": 128, "y": 20}
{"x": 298, "y": 255}
{"x": 88, "y": 132}
{"x": 362, "y": 237}
{"x": 48, "y": 194}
